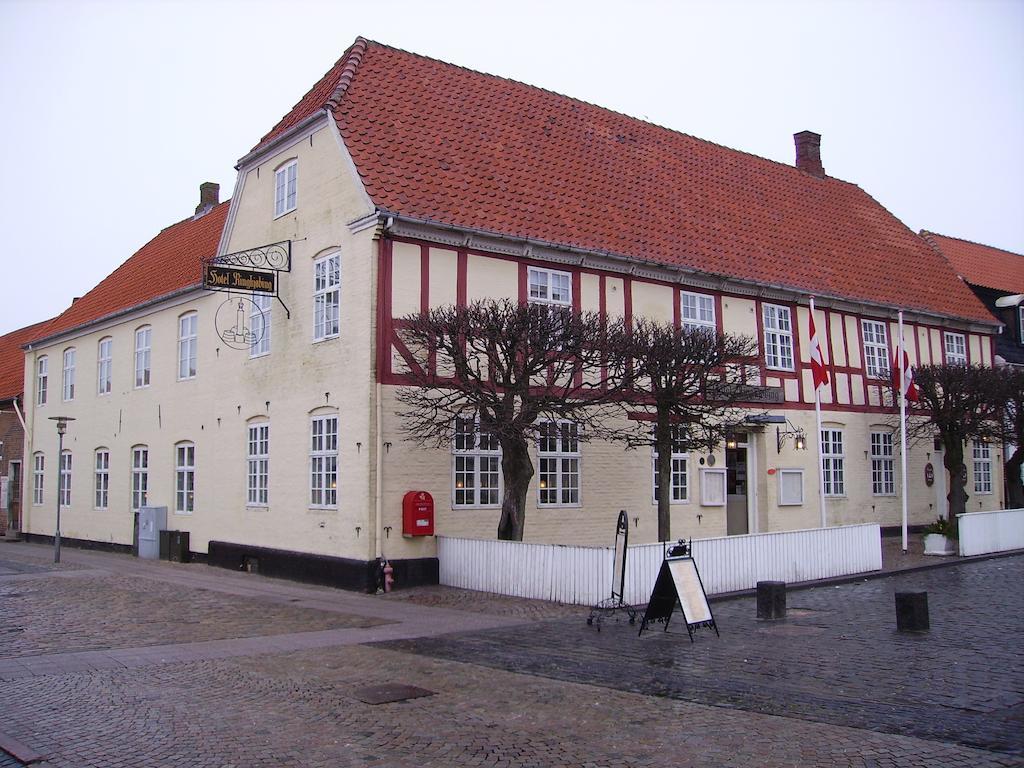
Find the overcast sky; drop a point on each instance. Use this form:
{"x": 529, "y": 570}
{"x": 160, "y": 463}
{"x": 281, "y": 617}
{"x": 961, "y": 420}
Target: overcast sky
{"x": 114, "y": 112}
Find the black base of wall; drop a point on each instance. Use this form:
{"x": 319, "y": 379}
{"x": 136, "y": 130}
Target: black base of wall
{"x": 102, "y": 546}
{"x": 897, "y": 530}
{"x": 359, "y": 575}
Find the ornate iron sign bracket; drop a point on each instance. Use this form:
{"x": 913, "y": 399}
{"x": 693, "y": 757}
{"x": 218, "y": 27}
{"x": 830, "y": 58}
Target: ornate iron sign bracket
{"x": 250, "y": 270}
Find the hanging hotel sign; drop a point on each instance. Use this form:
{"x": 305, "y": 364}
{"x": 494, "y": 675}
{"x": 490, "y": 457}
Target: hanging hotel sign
{"x": 218, "y": 278}
{"x": 241, "y": 322}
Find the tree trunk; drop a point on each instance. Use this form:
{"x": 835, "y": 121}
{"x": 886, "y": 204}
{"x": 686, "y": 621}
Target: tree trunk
{"x": 516, "y": 471}
{"x": 1014, "y": 486}
{"x": 953, "y": 461}
{"x": 663, "y": 444}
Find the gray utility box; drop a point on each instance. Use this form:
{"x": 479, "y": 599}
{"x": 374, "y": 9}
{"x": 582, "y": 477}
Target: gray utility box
{"x": 152, "y": 520}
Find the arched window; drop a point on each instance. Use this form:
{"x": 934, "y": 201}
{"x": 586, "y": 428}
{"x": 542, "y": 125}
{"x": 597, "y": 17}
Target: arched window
{"x": 286, "y": 187}
{"x": 184, "y": 478}
{"x": 104, "y": 362}
{"x": 42, "y": 379}
{"x": 257, "y": 463}
{"x": 143, "y": 349}
{"x": 38, "y": 477}
{"x": 140, "y": 476}
{"x": 64, "y": 491}
{"x": 323, "y": 460}
{"x": 101, "y": 478}
{"x": 188, "y": 340}
{"x": 69, "y": 374}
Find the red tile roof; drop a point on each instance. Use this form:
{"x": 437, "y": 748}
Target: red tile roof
{"x": 12, "y": 359}
{"x": 435, "y": 141}
{"x": 981, "y": 265}
{"x": 170, "y": 262}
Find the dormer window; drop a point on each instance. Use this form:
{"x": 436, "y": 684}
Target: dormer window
{"x": 285, "y": 182}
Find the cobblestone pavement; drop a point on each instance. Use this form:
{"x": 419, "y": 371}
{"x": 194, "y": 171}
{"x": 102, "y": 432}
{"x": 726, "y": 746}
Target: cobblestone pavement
{"x": 47, "y": 615}
{"x": 536, "y": 691}
{"x": 836, "y": 659}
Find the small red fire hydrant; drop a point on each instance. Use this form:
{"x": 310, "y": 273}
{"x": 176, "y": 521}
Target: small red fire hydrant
{"x": 389, "y": 579}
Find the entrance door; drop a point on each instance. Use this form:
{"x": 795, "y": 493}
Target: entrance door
{"x": 736, "y": 484}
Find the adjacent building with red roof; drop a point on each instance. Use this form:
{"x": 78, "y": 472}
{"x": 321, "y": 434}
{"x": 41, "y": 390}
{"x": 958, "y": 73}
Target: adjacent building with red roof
{"x": 995, "y": 276}
{"x": 268, "y": 425}
{"x": 12, "y": 433}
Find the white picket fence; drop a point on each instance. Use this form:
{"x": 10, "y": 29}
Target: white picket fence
{"x": 583, "y": 575}
{"x": 998, "y": 531}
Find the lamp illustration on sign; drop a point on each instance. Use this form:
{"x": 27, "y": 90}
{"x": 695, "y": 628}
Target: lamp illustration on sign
{"x": 240, "y": 323}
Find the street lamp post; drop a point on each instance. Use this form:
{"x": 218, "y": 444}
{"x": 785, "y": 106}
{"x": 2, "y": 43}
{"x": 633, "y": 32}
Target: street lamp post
{"x": 62, "y": 427}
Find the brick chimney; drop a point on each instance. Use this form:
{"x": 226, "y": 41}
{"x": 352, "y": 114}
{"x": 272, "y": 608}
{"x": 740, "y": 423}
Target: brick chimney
{"x": 209, "y": 196}
{"x": 808, "y": 153}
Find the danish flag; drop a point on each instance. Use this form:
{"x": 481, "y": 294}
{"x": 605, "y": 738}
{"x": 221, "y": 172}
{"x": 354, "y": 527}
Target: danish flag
{"x": 910, "y": 388}
{"x": 819, "y": 373}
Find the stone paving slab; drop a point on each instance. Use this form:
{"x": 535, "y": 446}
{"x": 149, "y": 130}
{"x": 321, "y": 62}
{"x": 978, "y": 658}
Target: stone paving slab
{"x": 838, "y": 659}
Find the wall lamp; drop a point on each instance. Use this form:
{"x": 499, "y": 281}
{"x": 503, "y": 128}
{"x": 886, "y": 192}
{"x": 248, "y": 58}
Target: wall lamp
{"x": 797, "y": 433}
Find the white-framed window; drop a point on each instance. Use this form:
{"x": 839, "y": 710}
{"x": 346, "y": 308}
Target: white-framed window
{"x": 69, "y": 374}
{"x": 956, "y": 348}
{"x": 323, "y": 461}
{"x": 778, "y": 337}
{"x": 64, "y": 489}
{"x": 548, "y": 286}
{"x": 1020, "y": 322}
{"x": 42, "y": 379}
{"x": 184, "y": 478}
{"x": 791, "y": 487}
{"x": 140, "y": 476}
{"x": 832, "y": 458}
{"x": 883, "y": 476}
{"x": 876, "y": 349}
{"x": 258, "y": 469}
{"x": 326, "y": 296}
{"x": 38, "y": 477}
{"x": 259, "y": 322}
{"x": 104, "y": 363}
{"x": 559, "y": 452}
{"x": 476, "y": 465}
{"x": 101, "y": 477}
{"x": 143, "y": 348}
{"x": 188, "y": 340}
{"x": 982, "y": 455}
{"x": 680, "y": 458}
{"x": 285, "y": 187}
{"x": 697, "y": 310}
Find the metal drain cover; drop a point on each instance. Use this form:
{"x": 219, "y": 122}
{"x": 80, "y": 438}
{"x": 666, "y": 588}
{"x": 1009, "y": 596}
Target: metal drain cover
{"x": 390, "y": 692}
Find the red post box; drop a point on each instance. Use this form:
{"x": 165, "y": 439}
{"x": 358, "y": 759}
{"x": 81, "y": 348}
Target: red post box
{"x": 417, "y": 514}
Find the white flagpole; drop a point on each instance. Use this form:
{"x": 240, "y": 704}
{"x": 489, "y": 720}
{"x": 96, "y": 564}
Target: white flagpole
{"x": 817, "y": 414}
{"x": 903, "y": 429}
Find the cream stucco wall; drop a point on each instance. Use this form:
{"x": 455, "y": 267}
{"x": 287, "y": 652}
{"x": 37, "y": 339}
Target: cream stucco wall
{"x": 297, "y": 378}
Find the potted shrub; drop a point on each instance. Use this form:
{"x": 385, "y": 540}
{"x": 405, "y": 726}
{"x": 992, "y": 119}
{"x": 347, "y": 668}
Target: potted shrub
{"x": 939, "y": 539}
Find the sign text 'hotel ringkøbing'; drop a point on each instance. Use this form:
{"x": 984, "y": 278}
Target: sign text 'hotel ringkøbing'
{"x": 220, "y": 278}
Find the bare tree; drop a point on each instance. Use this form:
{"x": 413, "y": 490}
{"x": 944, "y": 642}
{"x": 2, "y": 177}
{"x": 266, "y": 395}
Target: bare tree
{"x": 512, "y": 369}
{"x": 1013, "y": 420}
{"x": 960, "y": 403}
{"x": 687, "y": 379}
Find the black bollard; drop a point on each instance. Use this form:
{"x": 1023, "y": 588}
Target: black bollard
{"x": 912, "y": 611}
{"x": 771, "y": 599}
